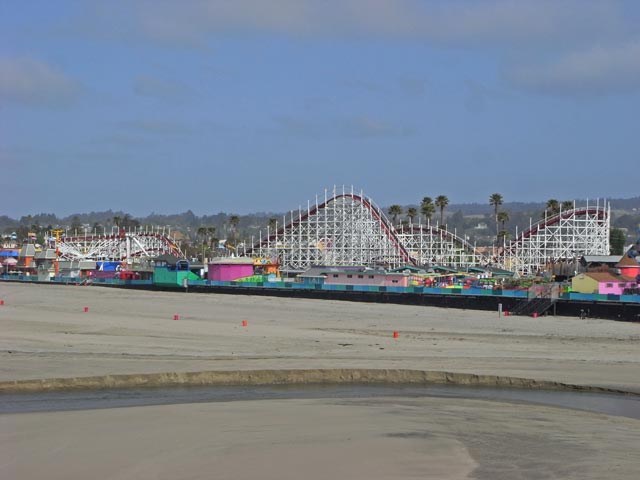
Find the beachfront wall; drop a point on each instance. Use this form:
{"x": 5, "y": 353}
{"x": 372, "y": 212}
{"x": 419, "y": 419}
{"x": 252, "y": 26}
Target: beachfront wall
{"x": 229, "y": 271}
{"x": 364, "y": 278}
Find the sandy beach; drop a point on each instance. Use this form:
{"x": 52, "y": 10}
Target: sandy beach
{"x": 46, "y": 334}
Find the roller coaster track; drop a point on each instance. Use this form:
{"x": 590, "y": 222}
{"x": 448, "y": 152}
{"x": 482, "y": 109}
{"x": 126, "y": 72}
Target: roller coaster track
{"x": 350, "y": 229}
{"x": 561, "y": 237}
{"x": 118, "y": 247}
{"x": 430, "y": 245}
{"x": 556, "y": 219}
{"x": 346, "y": 229}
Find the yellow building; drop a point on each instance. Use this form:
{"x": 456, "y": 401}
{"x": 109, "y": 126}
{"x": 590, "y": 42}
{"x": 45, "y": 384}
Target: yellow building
{"x": 584, "y": 283}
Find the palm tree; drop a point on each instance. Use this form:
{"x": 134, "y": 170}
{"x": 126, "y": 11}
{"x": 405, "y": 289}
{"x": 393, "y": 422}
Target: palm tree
{"x": 127, "y": 220}
{"x": 503, "y": 217}
{"x": 553, "y": 207}
{"x": 427, "y": 208}
{"x": 495, "y": 200}
{"x": 441, "y": 202}
{"x": 567, "y": 205}
{"x": 75, "y": 225}
{"x": 234, "y": 220}
{"x": 503, "y": 234}
{"x": 394, "y": 211}
{"x": 412, "y": 213}
{"x": 202, "y": 233}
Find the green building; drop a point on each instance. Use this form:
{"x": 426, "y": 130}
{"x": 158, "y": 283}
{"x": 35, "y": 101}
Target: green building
{"x": 170, "y": 271}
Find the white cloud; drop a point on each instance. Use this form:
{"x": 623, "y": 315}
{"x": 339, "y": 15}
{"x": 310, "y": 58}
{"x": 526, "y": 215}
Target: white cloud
{"x": 599, "y": 70}
{"x": 32, "y": 82}
{"x": 523, "y": 21}
{"x": 525, "y": 30}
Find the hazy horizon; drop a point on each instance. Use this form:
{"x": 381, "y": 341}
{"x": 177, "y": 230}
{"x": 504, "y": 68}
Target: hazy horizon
{"x": 450, "y": 209}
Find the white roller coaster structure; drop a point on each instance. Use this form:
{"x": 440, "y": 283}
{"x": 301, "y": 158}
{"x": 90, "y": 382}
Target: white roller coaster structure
{"x": 568, "y": 235}
{"x": 350, "y": 229}
{"x": 119, "y": 247}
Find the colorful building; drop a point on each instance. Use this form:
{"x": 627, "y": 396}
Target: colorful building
{"x": 265, "y": 266}
{"x": 602, "y": 282}
{"x": 8, "y": 259}
{"x": 230, "y": 269}
{"x": 170, "y": 271}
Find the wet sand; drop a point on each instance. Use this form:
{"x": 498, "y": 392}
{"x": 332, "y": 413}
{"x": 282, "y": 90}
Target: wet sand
{"x": 46, "y": 333}
{"x": 318, "y": 439}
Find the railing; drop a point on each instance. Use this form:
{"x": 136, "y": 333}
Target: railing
{"x": 538, "y": 306}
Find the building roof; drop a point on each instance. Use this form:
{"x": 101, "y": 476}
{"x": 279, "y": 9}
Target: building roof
{"x": 364, "y": 272}
{"x": 627, "y": 261}
{"x": 28, "y": 250}
{"x": 77, "y": 264}
{"x": 442, "y": 268}
{"x": 408, "y": 269}
{"x": 608, "y": 259}
{"x": 602, "y": 277}
{"x": 48, "y": 254}
{"x": 313, "y": 272}
{"x": 168, "y": 260}
{"x": 493, "y": 270}
{"x": 232, "y": 261}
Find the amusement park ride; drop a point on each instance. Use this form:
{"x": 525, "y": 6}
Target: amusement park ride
{"x": 125, "y": 245}
{"x": 348, "y": 228}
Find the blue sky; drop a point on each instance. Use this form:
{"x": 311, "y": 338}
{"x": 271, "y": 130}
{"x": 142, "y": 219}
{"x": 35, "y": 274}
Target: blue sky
{"x": 245, "y": 106}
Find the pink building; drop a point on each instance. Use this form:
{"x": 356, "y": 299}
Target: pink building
{"x": 373, "y": 278}
{"x": 229, "y": 269}
{"x": 602, "y": 282}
